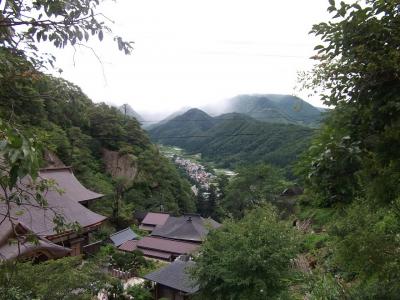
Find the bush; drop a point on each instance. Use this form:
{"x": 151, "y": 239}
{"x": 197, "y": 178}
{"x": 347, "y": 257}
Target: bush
{"x": 139, "y": 292}
{"x": 128, "y": 261}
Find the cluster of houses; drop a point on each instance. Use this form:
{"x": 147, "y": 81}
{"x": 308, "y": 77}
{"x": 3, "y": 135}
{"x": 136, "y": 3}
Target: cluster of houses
{"x": 196, "y": 172}
{"x": 170, "y": 238}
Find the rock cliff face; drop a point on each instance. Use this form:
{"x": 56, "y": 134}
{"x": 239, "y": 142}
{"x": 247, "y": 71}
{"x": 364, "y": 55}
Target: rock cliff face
{"x": 51, "y": 160}
{"x": 120, "y": 165}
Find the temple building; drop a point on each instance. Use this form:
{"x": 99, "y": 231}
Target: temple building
{"x": 173, "y": 282}
{"x": 70, "y": 200}
{"x": 176, "y": 236}
{"x": 152, "y": 220}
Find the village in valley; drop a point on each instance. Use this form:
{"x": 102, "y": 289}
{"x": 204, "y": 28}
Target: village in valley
{"x": 201, "y": 177}
{"x": 235, "y": 155}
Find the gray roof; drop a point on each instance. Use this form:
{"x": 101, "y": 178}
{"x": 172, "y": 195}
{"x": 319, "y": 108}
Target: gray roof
{"x": 122, "y": 236}
{"x": 189, "y": 227}
{"x": 175, "y": 275}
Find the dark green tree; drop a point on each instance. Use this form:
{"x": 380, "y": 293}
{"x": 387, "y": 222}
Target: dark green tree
{"x": 354, "y": 165}
{"x": 64, "y": 278}
{"x": 253, "y": 186}
{"x": 247, "y": 259}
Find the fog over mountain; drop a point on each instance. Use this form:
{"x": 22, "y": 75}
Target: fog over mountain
{"x": 273, "y": 108}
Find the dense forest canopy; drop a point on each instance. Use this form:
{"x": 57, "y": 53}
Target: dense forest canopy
{"x": 234, "y": 139}
{"x": 77, "y": 130}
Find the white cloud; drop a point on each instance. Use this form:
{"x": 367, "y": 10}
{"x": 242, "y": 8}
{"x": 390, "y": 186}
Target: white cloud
{"x": 190, "y": 52}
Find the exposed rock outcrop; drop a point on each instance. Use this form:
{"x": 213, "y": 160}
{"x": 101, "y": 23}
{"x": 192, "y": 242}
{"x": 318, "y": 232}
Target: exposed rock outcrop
{"x": 120, "y": 165}
{"x": 51, "y": 160}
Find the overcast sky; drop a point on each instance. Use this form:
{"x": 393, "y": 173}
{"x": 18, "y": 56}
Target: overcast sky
{"x": 190, "y": 53}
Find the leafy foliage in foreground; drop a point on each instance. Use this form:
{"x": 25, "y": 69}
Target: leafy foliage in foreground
{"x": 64, "y": 278}
{"x": 24, "y": 23}
{"x": 354, "y": 165}
{"x": 248, "y": 259}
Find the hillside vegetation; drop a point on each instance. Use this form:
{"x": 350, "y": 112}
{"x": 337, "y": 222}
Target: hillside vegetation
{"x": 272, "y": 108}
{"x": 233, "y": 139}
{"x": 77, "y": 131}
{"x": 127, "y": 110}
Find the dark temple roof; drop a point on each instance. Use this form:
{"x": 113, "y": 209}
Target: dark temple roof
{"x": 67, "y": 181}
{"x": 175, "y": 276}
{"x": 189, "y": 227}
{"x": 122, "y": 236}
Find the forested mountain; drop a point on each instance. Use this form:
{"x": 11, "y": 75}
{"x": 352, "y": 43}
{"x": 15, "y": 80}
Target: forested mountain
{"x": 79, "y": 132}
{"x": 233, "y": 138}
{"x": 168, "y": 118}
{"x": 126, "y": 109}
{"x": 271, "y": 108}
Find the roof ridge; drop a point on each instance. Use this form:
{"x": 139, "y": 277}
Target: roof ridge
{"x": 127, "y": 228}
{"x": 55, "y": 168}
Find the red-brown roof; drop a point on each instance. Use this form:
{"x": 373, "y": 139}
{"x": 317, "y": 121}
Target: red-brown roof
{"x": 130, "y": 246}
{"x": 165, "y": 245}
{"x": 155, "y": 219}
{"x": 156, "y": 254}
{"x": 66, "y": 180}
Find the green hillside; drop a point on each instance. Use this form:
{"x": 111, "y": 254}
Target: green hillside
{"x": 233, "y": 139}
{"x": 272, "y": 108}
{"x": 79, "y": 131}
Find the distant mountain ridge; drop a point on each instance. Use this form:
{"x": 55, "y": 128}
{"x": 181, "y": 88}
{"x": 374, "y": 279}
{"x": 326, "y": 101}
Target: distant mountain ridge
{"x": 168, "y": 118}
{"x": 231, "y": 139}
{"x": 272, "y": 108}
{"x": 129, "y": 111}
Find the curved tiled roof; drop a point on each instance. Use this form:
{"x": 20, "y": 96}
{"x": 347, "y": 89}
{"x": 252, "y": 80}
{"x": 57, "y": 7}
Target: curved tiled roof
{"x": 67, "y": 181}
{"x": 24, "y": 247}
{"x": 188, "y": 227}
{"x": 12, "y": 250}
{"x": 39, "y": 220}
